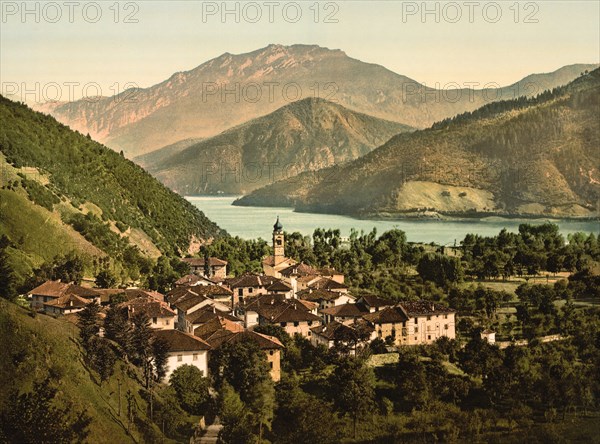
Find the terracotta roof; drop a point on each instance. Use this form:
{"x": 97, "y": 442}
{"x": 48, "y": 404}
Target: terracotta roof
{"x": 421, "y": 308}
{"x": 207, "y": 329}
{"x": 57, "y": 289}
{"x": 265, "y": 342}
{"x": 329, "y": 284}
{"x": 375, "y": 301}
{"x": 207, "y": 313}
{"x": 310, "y": 306}
{"x": 293, "y": 312}
{"x": 319, "y": 294}
{"x": 346, "y": 310}
{"x": 50, "y": 288}
{"x": 389, "y": 315}
{"x": 300, "y": 269}
{"x": 279, "y": 285}
{"x": 68, "y": 301}
{"x": 150, "y": 306}
{"x": 308, "y": 279}
{"x": 179, "y": 341}
{"x": 248, "y": 280}
{"x": 182, "y": 296}
{"x": 332, "y": 330}
{"x": 251, "y": 303}
{"x": 191, "y": 279}
{"x": 199, "y": 261}
{"x": 270, "y": 260}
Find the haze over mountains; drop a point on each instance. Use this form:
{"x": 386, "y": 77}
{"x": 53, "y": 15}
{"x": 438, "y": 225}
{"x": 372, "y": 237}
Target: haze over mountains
{"x": 305, "y": 135}
{"x": 524, "y": 157}
{"x": 233, "y": 89}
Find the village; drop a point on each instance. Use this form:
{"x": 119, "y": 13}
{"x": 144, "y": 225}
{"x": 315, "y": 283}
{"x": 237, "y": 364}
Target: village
{"x": 208, "y": 308}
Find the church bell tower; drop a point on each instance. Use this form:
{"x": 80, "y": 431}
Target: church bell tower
{"x": 278, "y": 242}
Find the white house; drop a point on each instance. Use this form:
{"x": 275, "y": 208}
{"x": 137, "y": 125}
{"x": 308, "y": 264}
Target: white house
{"x": 184, "y": 348}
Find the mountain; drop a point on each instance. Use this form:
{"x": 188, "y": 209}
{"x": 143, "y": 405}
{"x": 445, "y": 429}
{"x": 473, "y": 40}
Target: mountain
{"x": 232, "y": 89}
{"x": 305, "y": 135}
{"x": 530, "y": 157}
{"x": 62, "y": 192}
{"x": 158, "y": 156}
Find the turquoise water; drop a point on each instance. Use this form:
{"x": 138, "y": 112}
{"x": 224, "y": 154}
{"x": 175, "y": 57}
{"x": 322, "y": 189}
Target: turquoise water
{"x": 254, "y": 222}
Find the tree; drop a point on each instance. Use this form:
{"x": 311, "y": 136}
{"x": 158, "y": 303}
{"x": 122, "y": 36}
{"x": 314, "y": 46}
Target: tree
{"x": 33, "y": 418}
{"x": 68, "y": 268}
{"x": 106, "y": 279}
{"x": 411, "y": 379}
{"x": 102, "y": 357}
{"x": 7, "y": 277}
{"x": 88, "y": 322}
{"x": 118, "y": 328}
{"x": 440, "y": 269}
{"x": 237, "y": 427}
{"x": 352, "y": 385}
{"x": 191, "y": 389}
{"x": 301, "y": 418}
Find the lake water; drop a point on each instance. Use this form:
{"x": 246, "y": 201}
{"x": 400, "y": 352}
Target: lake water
{"x": 254, "y": 222}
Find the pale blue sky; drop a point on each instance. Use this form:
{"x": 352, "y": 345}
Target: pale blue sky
{"x": 173, "y": 36}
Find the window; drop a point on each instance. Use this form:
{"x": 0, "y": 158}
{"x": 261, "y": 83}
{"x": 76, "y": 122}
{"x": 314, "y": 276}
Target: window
{"x": 416, "y": 329}
{"x": 296, "y": 324}
{"x": 167, "y": 322}
{"x": 271, "y": 352}
{"x": 240, "y": 292}
{"x": 445, "y": 326}
{"x": 428, "y": 337}
{"x": 154, "y": 320}
{"x": 250, "y": 290}
{"x": 283, "y": 324}
{"x": 195, "y": 357}
{"x": 271, "y": 365}
{"x": 429, "y": 318}
{"x": 179, "y": 358}
{"x": 309, "y": 323}
{"x": 445, "y": 316}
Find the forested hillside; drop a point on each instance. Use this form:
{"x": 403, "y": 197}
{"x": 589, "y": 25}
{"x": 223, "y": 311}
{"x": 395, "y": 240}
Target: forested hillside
{"x": 62, "y": 192}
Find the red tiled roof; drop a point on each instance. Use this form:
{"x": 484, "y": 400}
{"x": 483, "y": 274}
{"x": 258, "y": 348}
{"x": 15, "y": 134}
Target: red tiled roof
{"x": 346, "y": 310}
{"x": 319, "y": 294}
{"x": 421, "y": 308}
{"x": 179, "y": 341}
{"x": 389, "y": 315}
{"x": 265, "y": 342}
{"x": 328, "y": 284}
{"x": 375, "y": 301}
{"x": 199, "y": 261}
{"x": 57, "y": 289}
{"x": 150, "y": 306}
{"x": 207, "y": 329}
{"x": 67, "y": 301}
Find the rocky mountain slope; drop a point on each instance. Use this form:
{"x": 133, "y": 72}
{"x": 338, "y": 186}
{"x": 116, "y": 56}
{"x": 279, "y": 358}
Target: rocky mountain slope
{"x": 303, "y": 136}
{"x": 531, "y": 157}
{"x": 235, "y": 88}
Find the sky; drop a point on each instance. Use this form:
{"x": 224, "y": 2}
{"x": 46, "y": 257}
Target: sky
{"x": 72, "y": 49}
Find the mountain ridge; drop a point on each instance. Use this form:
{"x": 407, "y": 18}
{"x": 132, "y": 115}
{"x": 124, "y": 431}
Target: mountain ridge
{"x": 527, "y": 157}
{"x": 303, "y": 135}
{"x": 195, "y": 103}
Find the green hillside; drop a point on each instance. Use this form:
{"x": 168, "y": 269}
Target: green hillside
{"x": 528, "y": 157}
{"x": 39, "y": 348}
{"x": 60, "y": 191}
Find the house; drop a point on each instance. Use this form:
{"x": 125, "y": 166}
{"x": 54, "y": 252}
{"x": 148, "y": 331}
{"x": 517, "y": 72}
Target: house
{"x": 208, "y": 313}
{"x": 374, "y": 303}
{"x": 191, "y": 280}
{"x": 269, "y": 344}
{"x": 294, "y": 316}
{"x": 345, "y": 336}
{"x": 272, "y": 265}
{"x": 69, "y": 303}
{"x": 345, "y": 313}
{"x": 108, "y": 295}
{"x": 217, "y": 268}
{"x": 53, "y": 290}
{"x": 489, "y": 336}
{"x": 189, "y": 305}
{"x": 280, "y": 287}
{"x": 160, "y": 314}
{"x": 325, "y": 298}
{"x": 184, "y": 348}
{"x": 414, "y": 322}
{"x": 325, "y": 283}
{"x": 249, "y": 285}
{"x": 332, "y": 273}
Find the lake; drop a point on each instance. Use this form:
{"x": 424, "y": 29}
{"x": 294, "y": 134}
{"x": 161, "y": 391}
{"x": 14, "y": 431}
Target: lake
{"x": 254, "y": 222}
